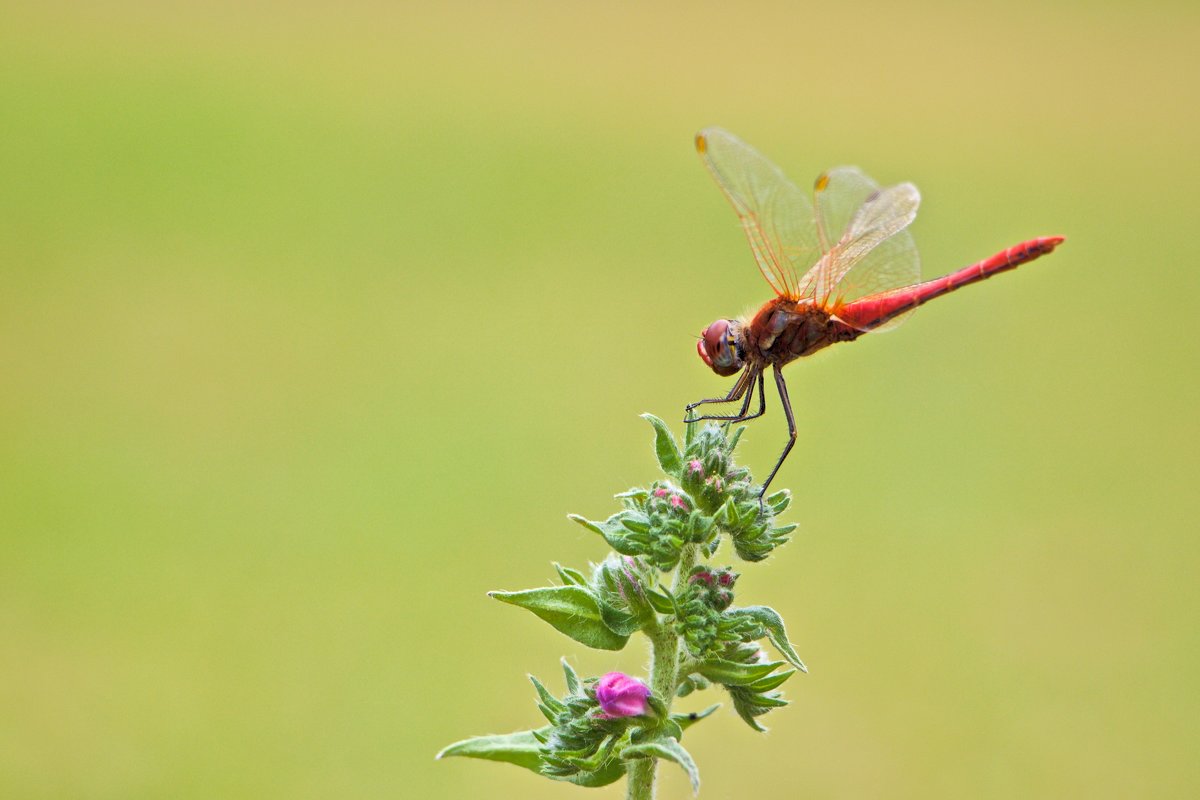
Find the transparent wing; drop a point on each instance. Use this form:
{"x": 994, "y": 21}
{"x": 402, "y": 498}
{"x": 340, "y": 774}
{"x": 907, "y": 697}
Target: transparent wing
{"x": 778, "y": 218}
{"x": 891, "y": 264}
{"x": 839, "y": 193}
{"x": 864, "y": 243}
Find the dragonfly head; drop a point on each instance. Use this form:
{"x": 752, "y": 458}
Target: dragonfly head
{"x": 720, "y": 346}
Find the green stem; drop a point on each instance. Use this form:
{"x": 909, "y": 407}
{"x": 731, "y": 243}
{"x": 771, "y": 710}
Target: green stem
{"x": 664, "y": 679}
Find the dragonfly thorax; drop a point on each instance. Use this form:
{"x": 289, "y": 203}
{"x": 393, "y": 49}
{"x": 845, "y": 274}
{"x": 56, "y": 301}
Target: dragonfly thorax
{"x": 784, "y": 330}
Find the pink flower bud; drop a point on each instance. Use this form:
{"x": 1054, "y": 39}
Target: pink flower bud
{"x": 678, "y": 502}
{"x": 660, "y": 492}
{"x": 695, "y": 467}
{"x": 621, "y": 696}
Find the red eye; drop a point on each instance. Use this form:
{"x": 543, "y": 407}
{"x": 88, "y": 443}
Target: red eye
{"x": 717, "y": 350}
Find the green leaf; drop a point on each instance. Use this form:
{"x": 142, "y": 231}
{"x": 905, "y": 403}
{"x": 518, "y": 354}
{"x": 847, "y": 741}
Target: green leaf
{"x": 550, "y": 706}
{"x": 733, "y": 440}
{"x": 619, "y": 622}
{"x": 748, "y": 711}
{"x": 661, "y": 600}
{"x": 669, "y": 749}
{"x": 779, "y": 501}
{"x": 596, "y": 760}
{"x": 688, "y": 720}
{"x": 771, "y": 681}
{"x": 635, "y": 523}
{"x": 773, "y": 624}
{"x": 612, "y": 530}
{"x": 570, "y": 577}
{"x": 690, "y": 430}
{"x": 630, "y": 594}
{"x": 731, "y": 673}
{"x": 519, "y": 748}
{"x": 671, "y": 729}
{"x": 784, "y": 530}
{"x": 669, "y": 457}
{"x": 611, "y": 772}
{"x": 750, "y": 704}
{"x": 571, "y": 610}
{"x": 572, "y": 678}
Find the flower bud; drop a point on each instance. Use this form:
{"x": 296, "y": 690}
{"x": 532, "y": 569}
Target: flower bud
{"x": 621, "y": 696}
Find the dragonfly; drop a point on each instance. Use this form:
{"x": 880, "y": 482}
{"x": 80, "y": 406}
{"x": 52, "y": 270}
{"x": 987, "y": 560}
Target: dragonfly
{"x": 841, "y": 264}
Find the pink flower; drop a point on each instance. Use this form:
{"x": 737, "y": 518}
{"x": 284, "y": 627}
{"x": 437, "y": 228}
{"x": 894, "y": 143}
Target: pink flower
{"x": 621, "y": 696}
{"x": 678, "y": 502}
{"x": 695, "y": 467}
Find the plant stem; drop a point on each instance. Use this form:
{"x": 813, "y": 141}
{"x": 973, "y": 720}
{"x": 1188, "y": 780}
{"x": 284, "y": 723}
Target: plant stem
{"x": 664, "y": 679}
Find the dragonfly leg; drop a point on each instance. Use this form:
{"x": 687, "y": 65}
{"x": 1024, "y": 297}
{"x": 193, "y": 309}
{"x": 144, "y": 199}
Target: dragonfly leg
{"x": 744, "y": 382}
{"x": 762, "y": 402}
{"x": 743, "y": 416}
{"x": 791, "y": 422}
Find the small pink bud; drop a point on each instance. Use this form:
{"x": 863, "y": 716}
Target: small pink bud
{"x": 621, "y": 696}
{"x": 695, "y": 467}
{"x": 677, "y": 502}
{"x": 661, "y": 492}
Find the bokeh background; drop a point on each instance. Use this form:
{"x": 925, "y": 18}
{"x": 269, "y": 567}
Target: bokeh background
{"x": 316, "y": 321}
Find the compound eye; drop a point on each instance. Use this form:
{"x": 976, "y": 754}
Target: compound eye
{"x": 718, "y": 349}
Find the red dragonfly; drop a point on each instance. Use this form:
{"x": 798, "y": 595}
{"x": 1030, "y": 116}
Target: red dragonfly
{"x": 851, "y": 243}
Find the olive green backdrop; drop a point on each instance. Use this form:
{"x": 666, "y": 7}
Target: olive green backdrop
{"x": 315, "y": 323}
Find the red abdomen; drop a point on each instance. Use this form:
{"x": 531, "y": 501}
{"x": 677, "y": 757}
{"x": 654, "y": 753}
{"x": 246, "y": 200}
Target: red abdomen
{"x": 876, "y": 309}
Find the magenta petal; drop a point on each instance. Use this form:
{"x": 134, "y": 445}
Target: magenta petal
{"x": 621, "y": 696}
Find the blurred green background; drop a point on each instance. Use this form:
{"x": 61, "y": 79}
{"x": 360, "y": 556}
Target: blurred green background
{"x": 315, "y": 323}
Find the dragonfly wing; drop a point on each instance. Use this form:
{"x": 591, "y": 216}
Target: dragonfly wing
{"x": 893, "y": 263}
{"x": 854, "y": 219}
{"x": 778, "y": 218}
{"x": 838, "y": 194}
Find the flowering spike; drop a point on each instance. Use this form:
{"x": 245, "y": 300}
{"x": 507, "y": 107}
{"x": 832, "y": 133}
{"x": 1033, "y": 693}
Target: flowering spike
{"x": 609, "y": 727}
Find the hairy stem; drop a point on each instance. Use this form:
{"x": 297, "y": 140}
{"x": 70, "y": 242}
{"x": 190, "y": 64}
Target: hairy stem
{"x": 664, "y": 679}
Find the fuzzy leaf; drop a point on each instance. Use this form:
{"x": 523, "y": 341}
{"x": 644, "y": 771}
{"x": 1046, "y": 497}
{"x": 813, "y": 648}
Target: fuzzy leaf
{"x": 771, "y": 681}
{"x": 690, "y": 429}
{"x": 669, "y": 457}
{"x": 686, "y": 721}
{"x": 570, "y": 577}
{"x": 519, "y": 748}
{"x": 620, "y": 622}
{"x": 671, "y": 750}
{"x": 661, "y": 600}
{"x": 773, "y": 624}
{"x": 735, "y": 438}
{"x": 572, "y": 678}
{"x": 747, "y": 711}
{"x": 613, "y": 532}
{"x": 572, "y": 610}
{"x": 552, "y": 705}
{"x": 731, "y": 673}
{"x": 779, "y": 501}
{"x": 611, "y": 772}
